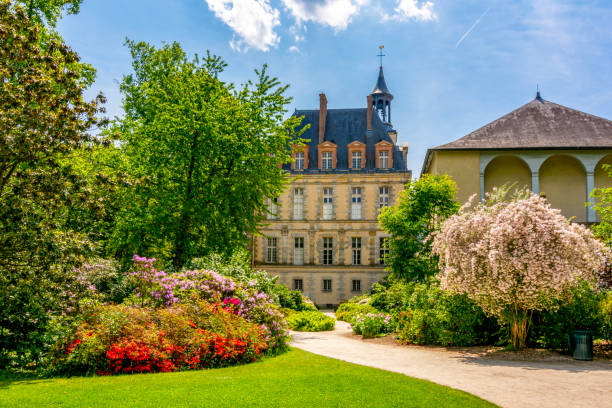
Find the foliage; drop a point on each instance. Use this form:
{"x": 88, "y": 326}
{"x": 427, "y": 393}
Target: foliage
{"x": 515, "y": 256}
{"x": 373, "y": 324}
{"x": 581, "y": 312}
{"x": 431, "y": 316}
{"x": 156, "y": 288}
{"x": 605, "y": 312}
{"x": 49, "y": 11}
{"x": 348, "y": 311}
{"x": 204, "y": 155}
{"x": 602, "y": 203}
{"x": 420, "y": 210}
{"x": 390, "y": 296}
{"x": 293, "y": 299}
{"x": 310, "y": 321}
{"x": 43, "y": 120}
{"x": 120, "y": 339}
{"x": 105, "y": 278}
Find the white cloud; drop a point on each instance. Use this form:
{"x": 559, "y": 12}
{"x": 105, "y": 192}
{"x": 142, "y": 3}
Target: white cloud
{"x": 253, "y": 21}
{"x": 295, "y": 49}
{"x": 414, "y": 10}
{"x": 336, "y": 14}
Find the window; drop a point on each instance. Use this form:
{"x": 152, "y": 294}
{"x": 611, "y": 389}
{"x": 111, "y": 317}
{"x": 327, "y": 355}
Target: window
{"x": 326, "y": 160}
{"x": 356, "y": 245}
{"x": 272, "y": 255}
{"x": 328, "y": 251}
{"x": 298, "y": 284}
{"x": 383, "y": 160}
{"x": 383, "y": 250}
{"x": 299, "y": 161}
{"x": 272, "y": 209}
{"x": 298, "y": 251}
{"x": 383, "y": 197}
{"x": 328, "y": 203}
{"x": 327, "y": 285}
{"x": 356, "y": 203}
{"x": 356, "y": 163}
{"x": 298, "y": 204}
{"x": 356, "y": 285}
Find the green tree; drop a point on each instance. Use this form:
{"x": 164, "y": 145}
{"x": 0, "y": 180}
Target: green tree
{"x": 43, "y": 120}
{"x": 206, "y": 155}
{"x": 49, "y": 11}
{"x": 422, "y": 207}
{"x": 602, "y": 203}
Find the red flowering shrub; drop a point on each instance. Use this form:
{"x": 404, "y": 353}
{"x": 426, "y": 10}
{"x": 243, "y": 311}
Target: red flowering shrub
{"x": 121, "y": 339}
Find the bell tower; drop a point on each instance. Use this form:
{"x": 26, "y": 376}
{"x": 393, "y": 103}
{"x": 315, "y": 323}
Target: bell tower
{"x": 381, "y": 97}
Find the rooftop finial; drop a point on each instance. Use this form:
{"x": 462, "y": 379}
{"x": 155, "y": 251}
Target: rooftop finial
{"x": 538, "y": 96}
{"x": 380, "y": 53}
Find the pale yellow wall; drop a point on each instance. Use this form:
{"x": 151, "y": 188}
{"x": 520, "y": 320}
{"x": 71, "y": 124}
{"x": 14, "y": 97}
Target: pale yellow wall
{"x": 507, "y": 170}
{"x": 563, "y": 182}
{"x": 463, "y": 167}
{"x": 602, "y": 180}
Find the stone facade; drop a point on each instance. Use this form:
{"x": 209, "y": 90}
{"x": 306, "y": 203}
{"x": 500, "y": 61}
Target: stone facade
{"x": 342, "y": 228}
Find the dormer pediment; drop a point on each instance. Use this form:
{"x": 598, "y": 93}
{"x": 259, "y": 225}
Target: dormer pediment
{"x": 383, "y": 144}
{"x": 356, "y": 143}
{"x": 329, "y": 144}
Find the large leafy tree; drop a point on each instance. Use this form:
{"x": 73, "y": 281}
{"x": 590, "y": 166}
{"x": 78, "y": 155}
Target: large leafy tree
{"x": 423, "y": 205}
{"x": 204, "y": 155}
{"x": 43, "y": 120}
{"x": 49, "y": 11}
{"x": 513, "y": 255}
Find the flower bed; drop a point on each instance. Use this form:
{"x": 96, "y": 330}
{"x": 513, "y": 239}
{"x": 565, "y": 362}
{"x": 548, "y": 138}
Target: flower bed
{"x": 310, "y": 321}
{"x": 373, "y": 324}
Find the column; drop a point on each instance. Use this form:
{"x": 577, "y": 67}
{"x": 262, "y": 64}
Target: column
{"x": 482, "y": 191}
{"x": 590, "y": 185}
{"x": 535, "y": 182}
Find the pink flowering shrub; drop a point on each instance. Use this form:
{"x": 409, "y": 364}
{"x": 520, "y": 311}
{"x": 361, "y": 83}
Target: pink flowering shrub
{"x": 514, "y": 256}
{"x": 373, "y": 324}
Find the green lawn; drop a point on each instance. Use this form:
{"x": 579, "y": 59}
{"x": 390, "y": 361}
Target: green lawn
{"x": 294, "y": 379}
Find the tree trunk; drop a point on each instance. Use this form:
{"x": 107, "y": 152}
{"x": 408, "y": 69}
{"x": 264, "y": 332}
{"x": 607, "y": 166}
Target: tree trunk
{"x": 519, "y": 325}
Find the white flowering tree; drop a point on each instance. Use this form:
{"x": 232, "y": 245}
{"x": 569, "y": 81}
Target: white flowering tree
{"x": 514, "y": 255}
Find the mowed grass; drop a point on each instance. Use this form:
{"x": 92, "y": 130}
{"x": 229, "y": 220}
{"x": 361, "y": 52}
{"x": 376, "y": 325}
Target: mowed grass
{"x": 294, "y": 379}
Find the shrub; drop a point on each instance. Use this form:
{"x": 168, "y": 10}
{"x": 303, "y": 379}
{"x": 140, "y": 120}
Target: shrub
{"x": 605, "y": 310}
{"x": 373, "y": 324}
{"x": 310, "y": 321}
{"x": 582, "y": 312}
{"x": 293, "y": 299}
{"x": 432, "y": 316}
{"x": 389, "y": 296}
{"x": 348, "y": 311}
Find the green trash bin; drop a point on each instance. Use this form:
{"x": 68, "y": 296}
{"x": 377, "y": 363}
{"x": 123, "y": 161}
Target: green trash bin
{"x": 581, "y": 344}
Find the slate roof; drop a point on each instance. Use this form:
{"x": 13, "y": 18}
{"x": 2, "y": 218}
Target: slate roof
{"x": 343, "y": 126}
{"x": 381, "y": 85}
{"x": 539, "y": 124}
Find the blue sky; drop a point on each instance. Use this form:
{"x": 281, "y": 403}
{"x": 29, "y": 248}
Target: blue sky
{"x": 445, "y": 83}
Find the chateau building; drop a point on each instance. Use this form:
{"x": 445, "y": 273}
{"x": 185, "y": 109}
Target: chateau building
{"x": 551, "y": 149}
{"x": 322, "y": 235}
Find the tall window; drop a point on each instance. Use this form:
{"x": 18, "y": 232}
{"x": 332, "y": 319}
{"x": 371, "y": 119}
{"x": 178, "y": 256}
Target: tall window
{"x": 383, "y": 160}
{"x": 328, "y": 251}
{"x": 383, "y": 250}
{"x": 356, "y": 203}
{"x": 383, "y": 197}
{"x": 272, "y": 256}
{"x": 298, "y": 251}
{"x": 299, "y": 161}
{"x": 327, "y": 285}
{"x": 356, "y": 245}
{"x": 298, "y": 284}
{"x": 328, "y": 203}
{"x": 356, "y": 285}
{"x": 298, "y": 204}
{"x": 356, "y": 162}
{"x": 326, "y": 160}
{"x": 272, "y": 209}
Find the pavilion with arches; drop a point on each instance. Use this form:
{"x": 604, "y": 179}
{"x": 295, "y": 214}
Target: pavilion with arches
{"x": 551, "y": 149}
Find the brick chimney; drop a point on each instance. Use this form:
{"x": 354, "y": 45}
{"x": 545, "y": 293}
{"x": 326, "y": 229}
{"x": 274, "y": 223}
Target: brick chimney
{"x": 369, "y": 113}
{"x": 322, "y": 116}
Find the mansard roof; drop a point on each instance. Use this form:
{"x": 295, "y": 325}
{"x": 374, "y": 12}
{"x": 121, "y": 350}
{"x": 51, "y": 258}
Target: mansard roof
{"x": 539, "y": 124}
{"x": 344, "y": 126}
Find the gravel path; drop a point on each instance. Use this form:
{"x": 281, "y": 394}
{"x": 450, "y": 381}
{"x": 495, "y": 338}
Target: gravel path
{"x": 506, "y": 383}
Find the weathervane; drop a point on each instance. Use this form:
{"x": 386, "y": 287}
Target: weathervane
{"x": 381, "y": 47}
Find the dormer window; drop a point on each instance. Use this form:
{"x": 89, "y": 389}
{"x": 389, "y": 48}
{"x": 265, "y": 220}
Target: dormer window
{"x": 383, "y": 159}
{"x": 326, "y": 160}
{"x": 299, "y": 161}
{"x": 356, "y": 160}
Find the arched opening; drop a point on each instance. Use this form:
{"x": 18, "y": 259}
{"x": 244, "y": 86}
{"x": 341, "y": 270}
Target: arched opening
{"x": 602, "y": 179}
{"x": 563, "y": 183}
{"x": 507, "y": 170}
